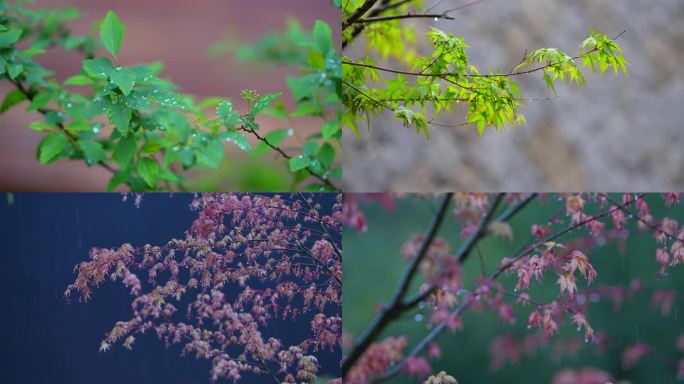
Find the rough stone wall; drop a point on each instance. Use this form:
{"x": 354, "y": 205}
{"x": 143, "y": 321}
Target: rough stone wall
{"x": 616, "y": 134}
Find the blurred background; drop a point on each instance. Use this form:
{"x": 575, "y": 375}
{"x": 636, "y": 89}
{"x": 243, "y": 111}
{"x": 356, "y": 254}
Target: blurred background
{"x": 373, "y": 264}
{"x": 616, "y": 134}
{"x": 179, "y": 34}
{"x": 44, "y": 339}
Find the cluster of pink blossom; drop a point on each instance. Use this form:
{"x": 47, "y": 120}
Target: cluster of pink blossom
{"x": 245, "y": 260}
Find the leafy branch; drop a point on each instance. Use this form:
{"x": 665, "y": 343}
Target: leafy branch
{"x": 154, "y": 132}
{"x": 444, "y": 78}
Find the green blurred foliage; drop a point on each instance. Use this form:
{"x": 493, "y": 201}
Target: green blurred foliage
{"x": 373, "y": 265}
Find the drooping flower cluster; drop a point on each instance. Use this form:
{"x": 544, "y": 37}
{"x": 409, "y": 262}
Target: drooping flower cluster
{"x": 247, "y": 259}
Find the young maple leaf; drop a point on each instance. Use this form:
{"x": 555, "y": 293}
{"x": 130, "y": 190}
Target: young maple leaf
{"x": 581, "y": 321}
{"x": 567, "y": 281}
{"x": 579, "y": 260}
{"x": 104, "y": 346}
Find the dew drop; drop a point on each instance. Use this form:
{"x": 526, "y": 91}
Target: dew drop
{"x": 290, "y": 132}
{"x": 436, "y": 18}
{"x": 418, "y": 317}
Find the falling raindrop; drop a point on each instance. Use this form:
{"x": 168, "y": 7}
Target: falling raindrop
{"x": 418, "y": 317}
{"x": 436, "y": 18}
{"x": 290, "y": 132}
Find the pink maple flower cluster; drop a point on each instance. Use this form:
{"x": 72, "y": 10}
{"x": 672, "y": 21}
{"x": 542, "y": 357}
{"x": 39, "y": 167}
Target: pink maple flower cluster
{"x": 247, "y": 259}
{"x": 597, "y": 218}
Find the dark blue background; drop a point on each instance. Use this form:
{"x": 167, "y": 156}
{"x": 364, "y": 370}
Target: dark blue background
{"x": 43, "y": 339}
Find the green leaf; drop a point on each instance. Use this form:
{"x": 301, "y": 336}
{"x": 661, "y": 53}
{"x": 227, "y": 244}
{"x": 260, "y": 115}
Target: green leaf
{"x": 225, "y": 111}
{"x": 99, "y": 106}
{"x": 326, "y": 155}
{"x": 40, "y": 100}
{"x": 99, "y": 68}
{"x": 124, "y": 151}
{"x": 14, "y": 69}
{"x": 93, "y": 151}
{"x": 303, "y": 87}
{"x": 13, "y": 98}
{"x": 112, "y": 33}
{"x": 124, "y": 78}
{"x": 263, "y": 102}
{"x": 151, "y": 146}
{"x": 32, "y": 52}
{"x": 80, "y": 125}
{"x": 120, "y": 177}
{"x": 323, "y": 37}
{"x": 238, "y": 138}
{"x": 51, "y": 146}
{"x": 10, "y": 37}
{"x": 148, "y": 169}
{"x": 120, "y": 116}
{"x": 310, "y": 148}
{"x": 298, "y": 163}
{"x": 278, "y": 136}
{"x": 212, "y": 155}
{"x": 330, "y": 128}
{"x": 40, "y": 126}
{"x": 78, "y": 80}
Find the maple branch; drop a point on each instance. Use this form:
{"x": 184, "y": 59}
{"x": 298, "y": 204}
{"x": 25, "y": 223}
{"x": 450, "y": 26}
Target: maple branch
{"x": 360, "y": 11}
{"x": 406, "y": 16}
{"x": 493, "y": 75}
{"x": 396, "y": 307}
{"x": 420, "y": 346}
{"x": 639, "y": 218}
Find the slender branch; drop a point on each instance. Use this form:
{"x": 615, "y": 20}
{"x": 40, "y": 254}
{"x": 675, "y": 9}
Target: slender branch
{"x": 365, "y": 7}
{"x": 468, "y": 245}
{"x": 288, "y": 157}
{"x": 445, "y": 74}
{"x": 406, "y": 16}
{"x": 395, "y": 308}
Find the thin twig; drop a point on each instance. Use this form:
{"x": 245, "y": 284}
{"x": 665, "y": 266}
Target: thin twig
{"x": 264, "y": 140}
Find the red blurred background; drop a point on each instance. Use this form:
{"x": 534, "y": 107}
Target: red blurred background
{"x": 179, "y": 34}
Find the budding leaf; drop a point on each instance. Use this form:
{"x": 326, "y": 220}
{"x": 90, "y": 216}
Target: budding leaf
{"x": 263, "y": 102}
{"x": 225, "y": 111}
{"x": 112, "y": 33}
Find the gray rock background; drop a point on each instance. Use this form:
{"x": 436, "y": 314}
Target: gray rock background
{"x": 617, "y": 134}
